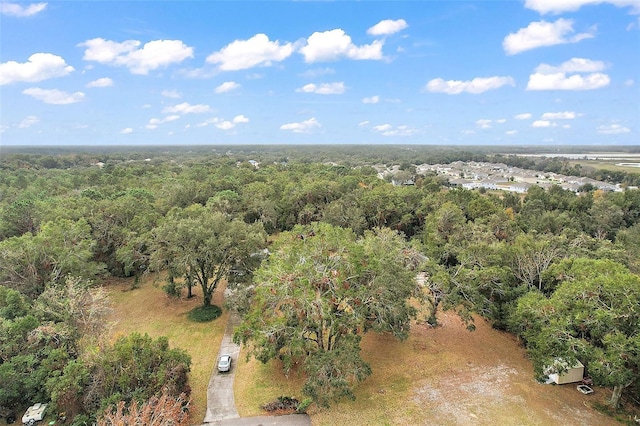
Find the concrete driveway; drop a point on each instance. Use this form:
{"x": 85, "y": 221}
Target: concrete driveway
{"x": 221, "y": 405}
{"x": 220, "y": 402}
{"x": 288, "y": 420}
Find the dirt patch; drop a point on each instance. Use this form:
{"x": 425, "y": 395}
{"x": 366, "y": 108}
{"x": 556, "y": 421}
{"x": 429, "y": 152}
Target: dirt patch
{"x": 469, "y": 395}
{"x": 450, "y": 376}
{"x": 487, "y": 379}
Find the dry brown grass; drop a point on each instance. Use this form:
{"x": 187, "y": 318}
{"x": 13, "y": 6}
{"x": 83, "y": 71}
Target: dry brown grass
{"x": 147, "y": 309}
{"x": 256, "y": 384}
{"x": 443, "y": 376}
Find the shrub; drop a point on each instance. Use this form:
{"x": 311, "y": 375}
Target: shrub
{"x": 282, "y": 404}
{"x": 205, "y": 313}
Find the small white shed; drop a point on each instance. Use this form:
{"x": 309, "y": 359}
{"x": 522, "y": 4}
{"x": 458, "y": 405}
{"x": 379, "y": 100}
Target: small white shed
{"x": 572, "y": 374}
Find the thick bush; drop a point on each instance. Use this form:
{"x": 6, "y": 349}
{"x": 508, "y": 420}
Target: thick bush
{"x": 205, "y": 313}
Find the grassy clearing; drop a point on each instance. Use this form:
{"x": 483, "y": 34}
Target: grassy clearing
{"x": 147, "y": 309}
{"x": 256, "y": 384}
{"x": 445, "y": 376}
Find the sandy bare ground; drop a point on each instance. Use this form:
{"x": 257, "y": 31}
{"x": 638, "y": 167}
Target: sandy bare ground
{"x": 487, "y": 379}
{"x": 450, "y": 376}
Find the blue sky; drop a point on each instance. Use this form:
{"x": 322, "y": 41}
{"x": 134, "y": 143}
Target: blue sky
{"x": 547, "y": 72}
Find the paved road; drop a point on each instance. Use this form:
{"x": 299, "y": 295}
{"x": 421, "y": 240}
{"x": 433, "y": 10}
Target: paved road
{"x": 221, "y": 406}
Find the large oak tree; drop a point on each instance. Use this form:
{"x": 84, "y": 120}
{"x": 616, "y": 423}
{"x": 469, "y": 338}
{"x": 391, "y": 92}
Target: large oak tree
{"x": 320, "y": 290}
{"x": 202, "y": 246}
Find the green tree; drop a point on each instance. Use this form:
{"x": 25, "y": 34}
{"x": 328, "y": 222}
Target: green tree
{"x": 444, "y": 233}
{"x": 81, "y": 308}
{"x": 478, "y": 283}
{"x": 605, "y": 217}
{"x": 117, "y": 225}
{"x": 318, "y": 292}
{"x": 136, "y": 368}
{"x": 61, "y": 248}
{"x": 19, "y": 217}
{"x": 593, "y": 316}
{"x": 203, "y": 246}
{"x": 531, "y": 255}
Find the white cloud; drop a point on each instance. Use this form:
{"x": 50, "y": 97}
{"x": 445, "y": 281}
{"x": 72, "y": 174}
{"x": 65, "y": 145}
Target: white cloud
{"x": 541, "y": 34}
{"x": 173, "y": 94}
{"x": 224, "y": 124}
{"x": 186, "y": 108}
{"x": 155, "y": 122}
{"x": 318, "y": 72}
{"x": 28, "y": 122}
{"x": 559, "y": 6}
{"x": 511, "y": 132}
{"x": 336, "y": 88}
{"x": 305, "y": 126}
{"x": 40, "y": 66}
{"x": 387, "y": 27}
{"x": 566, "y": 115}
{"x": 483, "y": 124}
{"x": 542, "y": 123}
{"x": 389, "y": 130}
{"x": 363, "y": 123}
{"x": 107, "y": 51}
{"x": 612, "y": 129}
{"x": 336, "y": 44}
{"x": 371, "y": 100}
{"x": 153, "y": 55}
{"x": 198, "y": 73}
{"x": 566, "y": 76}
{"x": 560, "y": 81}
{"x": 227, "y": 86}
{"x": 475, "y": 86}
{"x": 383, "y": 127}
{"x": 629, "y": 82}
{"x": 54, "y": 96}
{"x": 243, "y": 54}
{"x": 15, "y": 9}
{"x": 126, "y": 131}
{"x": 501, "y": 120}
{"x": 573, "y": 65}
{"x": 523, "y": 116}
{"x": 157, "y": 53}
{"x": 101, "y": 82}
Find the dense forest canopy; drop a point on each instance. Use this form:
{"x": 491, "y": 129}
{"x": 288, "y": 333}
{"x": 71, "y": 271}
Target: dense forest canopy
{"x": 70, "y": 218}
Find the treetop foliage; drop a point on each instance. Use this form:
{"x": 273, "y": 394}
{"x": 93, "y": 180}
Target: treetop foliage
{"x": 345, "y": 247}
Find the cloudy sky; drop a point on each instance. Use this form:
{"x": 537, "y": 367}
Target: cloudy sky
{"x": 512, "y": 72}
